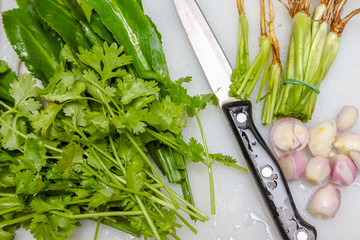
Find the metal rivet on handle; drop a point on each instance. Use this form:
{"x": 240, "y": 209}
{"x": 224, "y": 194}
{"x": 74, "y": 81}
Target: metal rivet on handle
{"x": 241, "y": 117}
{"x": 301, "y": 235}
{"x": 266, "y": 171}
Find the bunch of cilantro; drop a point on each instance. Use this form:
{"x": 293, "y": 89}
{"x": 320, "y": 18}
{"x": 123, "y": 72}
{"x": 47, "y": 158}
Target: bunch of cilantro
{"x": 81, "y": 147}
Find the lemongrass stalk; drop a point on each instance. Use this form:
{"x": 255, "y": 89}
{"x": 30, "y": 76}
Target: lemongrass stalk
{"x": 317, "y": 48}
{"x": 273, "y": 93}
{"x": 281, "y": 105}
{"x": 316, "y": 19}
{"x": 242, "y": 57}
{"x": 275, "y": 73}
{"x": 301, "y": 30}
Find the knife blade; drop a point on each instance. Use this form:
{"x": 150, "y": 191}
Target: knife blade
{"x": 268, "y": 176}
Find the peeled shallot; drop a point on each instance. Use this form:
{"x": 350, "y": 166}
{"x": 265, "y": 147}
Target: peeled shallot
{"x": 288, "y": 134}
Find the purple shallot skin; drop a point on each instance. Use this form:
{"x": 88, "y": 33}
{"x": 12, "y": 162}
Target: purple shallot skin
{"x": 343, "y": 170}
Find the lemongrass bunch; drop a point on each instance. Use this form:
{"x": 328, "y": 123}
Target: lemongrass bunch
{"x": 329, "y": 53}
{"x": 245, "y": 78}
{"x": 298, "y": 52}
{"x": 314, "y": 44}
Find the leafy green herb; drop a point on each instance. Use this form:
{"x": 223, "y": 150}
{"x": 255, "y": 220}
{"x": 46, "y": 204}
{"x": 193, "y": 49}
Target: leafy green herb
{"x": 64, "y": 169}
{"x": 86, "y": 154}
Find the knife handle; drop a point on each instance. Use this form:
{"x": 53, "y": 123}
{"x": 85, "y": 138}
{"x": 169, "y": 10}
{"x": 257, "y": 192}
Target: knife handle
{"x": 267, "y": 172}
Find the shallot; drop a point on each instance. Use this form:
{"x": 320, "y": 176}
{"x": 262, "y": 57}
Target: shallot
{"x": 325, "y": 202}
{"x": 292, "y": 165}
{"x": 321, "y": 137}
{"x": 347, "y": 141}
{"x": 343, "y": 170}
{"x": 317, "y": 169}
{"x": 355, "y": 156}
{"x": 288, "y": 134}
{"x": 347, "y": 117}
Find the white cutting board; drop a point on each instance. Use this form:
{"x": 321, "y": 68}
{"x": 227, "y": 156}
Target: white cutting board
{"x": 241, "y": 213}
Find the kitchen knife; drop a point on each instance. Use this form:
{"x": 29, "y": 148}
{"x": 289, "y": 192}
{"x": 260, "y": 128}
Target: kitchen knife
{"x": 259, "y": 157}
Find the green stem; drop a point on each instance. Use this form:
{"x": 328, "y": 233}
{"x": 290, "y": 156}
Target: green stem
{"x": 181, "y": 199}
{"x": 173, "y": 144}
{"x": 117, "y": 156}
{"x": 148, "y": 218}
{"x": 185, "y": 222}
{"x": 209, "y": 162}
{"x": 175, "y": 236}
{"x": 110, "y": 174}
{"x": 107, "y": 95}
{"x": 16, "y": 220}
{"x": 13, "y": 209}
{"x": 233, "y": 165}
{"x": 117, "y": 186}
{"x": 105, "y": 155}
{"x": 195, "y": 214}
{"x": 8, "y": 195}
{"x": 97, "y": 229}
{"x": 147, "y": 160}
{"x": 6, "y": 106}
{"x": 98, "y": 214}
{"x": 53, "y": 148}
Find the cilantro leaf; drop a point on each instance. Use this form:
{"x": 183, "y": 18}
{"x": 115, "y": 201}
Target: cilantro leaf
{"x": 195, "y": 151}
{"x": 177, "y": 91}
{"x": 134, "y": 120}
{"x": 35, "y": 152}
{"x": 63, "y": 86}
{"x": 47, "y": 117}
{"x": 199, "y": 103}
{"x": 97, "y": 123}
{"x": 22, "y": 89}
{"x": 221, "y": 157}
{"x": 106, "y": 61}
{"x": 44, "y": 227}
{"x": 38, "y": 205}
{"x": 135, "y": 174}
{"x": 131, "y": 88}
{"x": 11, "y": 140}
{"x": 28, "y": 183}
{"x": 76, "y": 110}
{"x": 166, "y": 115}
{"x": 70, "y": 155}
{"x": 102, "y": 196}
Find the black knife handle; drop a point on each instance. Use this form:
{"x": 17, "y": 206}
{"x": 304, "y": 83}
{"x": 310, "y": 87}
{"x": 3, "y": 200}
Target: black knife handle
{"x": 267, "y": 172}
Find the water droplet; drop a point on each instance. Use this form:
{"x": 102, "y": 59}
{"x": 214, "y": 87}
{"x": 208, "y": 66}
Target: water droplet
{"x": 253, "y": 219}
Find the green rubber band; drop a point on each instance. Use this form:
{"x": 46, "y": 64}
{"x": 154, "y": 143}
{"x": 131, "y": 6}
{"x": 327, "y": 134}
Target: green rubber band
{"x": 294, "y": 81}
